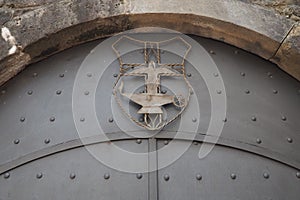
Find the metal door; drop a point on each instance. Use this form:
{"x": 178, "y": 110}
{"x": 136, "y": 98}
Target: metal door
{"x": 257, "y": 155}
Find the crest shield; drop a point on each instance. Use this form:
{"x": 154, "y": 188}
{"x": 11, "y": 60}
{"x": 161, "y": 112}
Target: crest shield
{"x": 152, "y": 89}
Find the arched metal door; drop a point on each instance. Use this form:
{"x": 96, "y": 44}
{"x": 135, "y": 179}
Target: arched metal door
{"x": 257, "y": 155}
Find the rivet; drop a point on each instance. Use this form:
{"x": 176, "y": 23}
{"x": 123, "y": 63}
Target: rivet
{"x": 139, "y": 176}
{"x": 86, "y": 93}
{"x": 247, "y": 91}
{"x": 138, "y": 141}
{"x": 219, "y": 91}
{"x": 266, "y": 175}
{"x": 111, "y": 120}
{"x": 189, "y": 74}
{"x": 253, "y": 118}
{"x": 16, "y": 141}
{"x": 275, "y": 91}
{"x": 243, "y": 74}
{"x": 39, "y": 175}
{"x": 283, "y": 118}
{"x": 290, "y": 140}
{"x": 225, "y": 119}
{"x": 164, "y": 91}
{"x": 58, "y": 92}
{"x": 212, "y": 52}
{"x": 61, "y": 75}
{"x": 82, "y": 119}
{"x": 194, "y": 119}
{"x": 47, "y": 141}
{"x": 3, "y": 91}
{"x": 166, "y": 142}
{"x": 6, "y": 175}
{"x": 195, "y": 143}
{"x": 115, "y": 75}
{"x": 166, "y": 177}
{"x": 191, "y": 92}
{"x": 142, "y": 91}
{"x": 30, "y": 92}
{"x": 52, "y": 119}
{"x": 106, "y": 176}
{"x": 198, "y": 177}
{"x": 233, "y": 176}
{"x": 216, "y": 74}
{"x": 298, "y": 174}
{"x": 22, "y": 119}
{"x": 270, "y": 74}
{"x": 89, "y": 74}
{"x": 72, "y": 175}
{"x": 258, "y": 141}
{"x": 236, "y": 52}
{"x": 34, "y": 74}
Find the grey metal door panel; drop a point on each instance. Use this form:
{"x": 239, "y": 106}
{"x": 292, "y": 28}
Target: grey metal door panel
{"x": 75, "y": 175}
{"x": 225, "y": 173}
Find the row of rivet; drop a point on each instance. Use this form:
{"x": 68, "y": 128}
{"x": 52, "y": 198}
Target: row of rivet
{"x": 233, "y": 176}
{"x": 46, "y": 141}
{"x": 72, "y": 175}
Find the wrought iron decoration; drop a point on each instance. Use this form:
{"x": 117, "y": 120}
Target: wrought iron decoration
{"x": 153, "y": 99}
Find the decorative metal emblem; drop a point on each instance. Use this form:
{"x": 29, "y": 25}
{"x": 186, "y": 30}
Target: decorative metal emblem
{"x": 153, "y": 99}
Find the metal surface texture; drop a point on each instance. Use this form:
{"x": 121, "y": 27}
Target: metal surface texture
{"x": 256, "y": 157}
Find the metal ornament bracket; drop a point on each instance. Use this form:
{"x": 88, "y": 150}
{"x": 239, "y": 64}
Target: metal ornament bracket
{"x": 153, "y": 99}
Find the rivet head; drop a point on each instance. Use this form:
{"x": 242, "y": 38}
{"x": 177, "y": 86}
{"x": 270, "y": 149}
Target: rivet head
{"x": 166, "y": 177}
{"x": 3, "y": 91}
{"x": 138, "y": 141}
{"x": 219, "y": 91}
{"x": 139, "y": 176}
{"x": 189, "y": 74}
{"x": 141, "y": 119}
{"x": 290, "y": 140}
{"x": 58, "y": 92}
{"x": 212, "y": 52}
{"x": 111, "y": 120}
{"x": 22, "y": 119}
{"x": 16, "y": 141}
{"x": 270, "y": 74}
{"x": 225, "y": 119}
{"x": 166, "y": 142}
{"x": 283, "y": 118}
{"x": 47, "y": 141}
{"x": 30, "y": 92}
{"x": 82, "y": 119}
{"x": 253, "y": 118}
{"x": 247, "y": 91}
{"x": 194, "y": 119}
{"x": 275, "y": 91}
{"x": 258, "y": 141}
{"x": 298, "y": 174}
{"x": 39, "y": 175}
{"x": 216, "y": 74}
{"x": 266, "y": 175}
{"x": 89, "y": 74}
{"x": 233, "y": 176}
{"x": 115, "y": 75}
{"x": 86, "y": 93}
{"x": 72, "y": 175}
{"x": 6, "y": 175}
{"x": 164, "y": 91}
{"x": 236, "y": 52}
{"x": 243, "y": 74}
{"x": 34, "y": 74}
{"x": 195, "y": 143}
{"x": 106, "y": 176}
{"x": 52, "y": 119}
{"x": 198, "y": 177}
{"x": 61, "y": 75}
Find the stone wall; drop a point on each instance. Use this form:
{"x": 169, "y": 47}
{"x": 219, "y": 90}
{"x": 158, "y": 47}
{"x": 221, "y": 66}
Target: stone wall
{"x": 34, "y": 29}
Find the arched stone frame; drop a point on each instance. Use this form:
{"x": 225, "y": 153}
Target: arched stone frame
{"x": 47, "y": 28}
